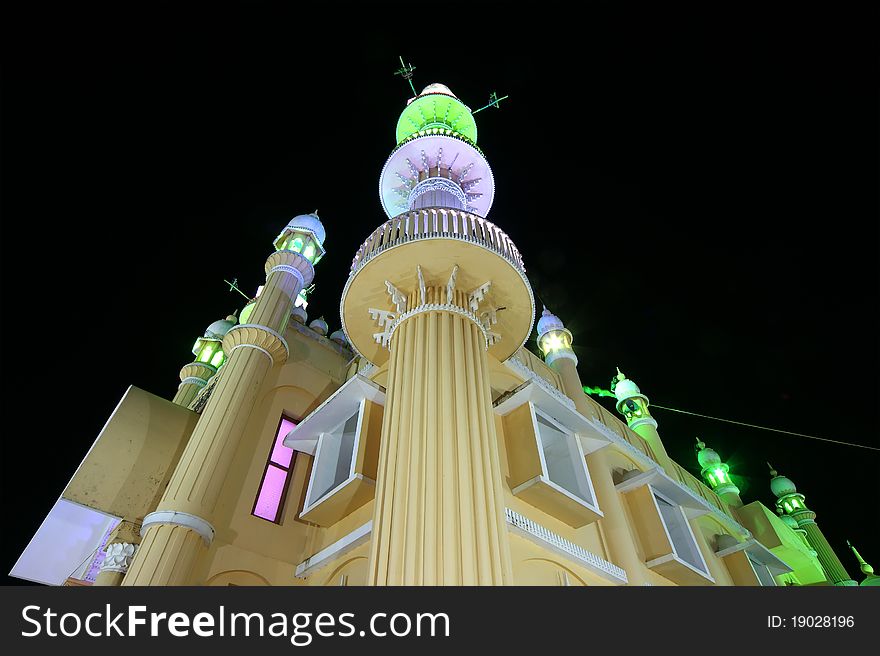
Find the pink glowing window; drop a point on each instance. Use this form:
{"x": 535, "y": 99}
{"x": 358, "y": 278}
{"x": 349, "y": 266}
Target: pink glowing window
{"x": 273, "y": 487}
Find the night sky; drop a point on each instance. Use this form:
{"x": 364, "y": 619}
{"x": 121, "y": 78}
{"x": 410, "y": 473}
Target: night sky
{"x": 694, "y": 194}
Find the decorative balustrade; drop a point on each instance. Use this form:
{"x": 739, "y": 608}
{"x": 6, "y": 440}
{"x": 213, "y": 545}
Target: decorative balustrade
{"x": 696, "y": 485}
{"x": 574, "y": 551}
{"x": 437, "y": 223}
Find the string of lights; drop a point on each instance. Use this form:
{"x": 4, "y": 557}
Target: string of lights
{"x": 595, "y": 391}
{"x": 767, "y": 428}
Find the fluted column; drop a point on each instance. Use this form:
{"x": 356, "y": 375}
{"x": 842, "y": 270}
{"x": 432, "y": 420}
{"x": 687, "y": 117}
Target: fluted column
{"x": 439, "y": 513}
{"x": 193, "y": 377}
{"x": 177, "y": 534}
{"x": 120, "y": 549}
{"x": 835, "y": 570}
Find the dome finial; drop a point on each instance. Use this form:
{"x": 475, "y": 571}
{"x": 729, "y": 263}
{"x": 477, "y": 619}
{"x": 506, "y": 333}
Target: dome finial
{"x": 867, "y": 570}
{"x": 620, "y": 374}
{"x": 773, "y": 472}
{"x": 700, "y": 444}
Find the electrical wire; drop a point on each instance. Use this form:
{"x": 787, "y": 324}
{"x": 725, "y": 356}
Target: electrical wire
{"x": 775, "y": 430}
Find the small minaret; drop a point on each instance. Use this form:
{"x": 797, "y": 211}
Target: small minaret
{"x": 715, "y": 473}
{"x": 555, "y": 341}
{"x": 867, "y": 570}
{"x": 208, "y": 350}
{"x": 176, "y": 536}
{"x": 792, "y": 503}
{"x": 633, "y": 405}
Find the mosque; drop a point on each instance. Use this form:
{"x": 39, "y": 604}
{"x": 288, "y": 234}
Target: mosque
{"x": 422, "y": 443}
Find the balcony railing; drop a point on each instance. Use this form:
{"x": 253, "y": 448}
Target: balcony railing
{"x": 437, "y": 223}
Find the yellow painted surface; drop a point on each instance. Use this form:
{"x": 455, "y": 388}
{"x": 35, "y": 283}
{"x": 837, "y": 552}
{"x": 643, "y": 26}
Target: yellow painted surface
{"x": 131, "y": 461}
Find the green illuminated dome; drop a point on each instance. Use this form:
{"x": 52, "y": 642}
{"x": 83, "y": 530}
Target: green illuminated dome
{"x": 707, "y": 457}
{"x": 434, "y": 111}
{"x": 781, "y": 485}
{"x": 218, "y": 329}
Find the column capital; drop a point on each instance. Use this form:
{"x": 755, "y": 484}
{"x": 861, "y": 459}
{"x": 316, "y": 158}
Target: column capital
{"x": 261, "y": 338}
{"x": 119, "y": 556}
{"x": 201, "y": 370}
{"x": 293, "y": 263}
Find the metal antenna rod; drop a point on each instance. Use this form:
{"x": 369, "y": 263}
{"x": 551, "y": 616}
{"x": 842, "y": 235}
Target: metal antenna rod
{"x": 406, "y": 72}
{"x": 234, "y": 285}
{"x": 493, "y": 102}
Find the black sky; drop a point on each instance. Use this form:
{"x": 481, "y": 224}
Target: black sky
{"x": 694, "y": 194}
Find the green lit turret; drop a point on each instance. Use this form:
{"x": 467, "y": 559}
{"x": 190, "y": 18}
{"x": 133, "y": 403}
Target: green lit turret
{"x": 791, "y": 503}
{"x": 716, "y": 474}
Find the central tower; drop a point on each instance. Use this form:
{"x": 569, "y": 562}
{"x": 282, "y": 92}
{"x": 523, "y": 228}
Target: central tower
{"x": 433, "y": 293}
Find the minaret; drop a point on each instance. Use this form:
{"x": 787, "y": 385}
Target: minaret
{"x": 867, "y": 570}
{"x": 208, "y": 350}
{"x": 180, "y": 530}
{"x": 633, "y": 405}
{"x": 791, "y": 502}
{"x": 555, "y": 342}
{"x": 716, "y": 475}
{"x": 433, "y": 293}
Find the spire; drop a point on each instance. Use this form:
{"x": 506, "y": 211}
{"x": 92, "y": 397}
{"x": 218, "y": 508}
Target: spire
{"x": 715, "y": 473}
{"x": 867, "y": 570}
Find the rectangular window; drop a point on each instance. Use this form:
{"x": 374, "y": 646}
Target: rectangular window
{"x": 563, "y": 460}
{"x": 276, "y": 476}
{"x": 334, "y": 458}
{"x": 680, "y": 534}
{"x": 762, "y": 572}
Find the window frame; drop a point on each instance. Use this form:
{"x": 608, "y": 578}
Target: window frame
{"x": 754, "y": 565}
{"x": 577, "y": 449}
{"x": 308, "y": 505}
{"x": 288, "y": 474}
{"x": 655, "y": 493}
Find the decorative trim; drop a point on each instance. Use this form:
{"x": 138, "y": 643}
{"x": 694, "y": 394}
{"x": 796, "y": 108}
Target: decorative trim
{"x": 440, "y": 307}
{"x": 257, "y": 348}
{"x": 339, "y": 548}
{"x": 174, "y": 517}
{"x": 564, "y": 354}
{"x": 436, "y": 184}
{"x": 446, "y": 221}
{"x": 650, "y": 421}
{"x": 548, "y": 539}
{"x": 193, "y": 380}
{"x": 286, "y": 268}
{"x": 119, "y": 555}
{"x": 267, "y": 329}
{"x": 260, "y": 328}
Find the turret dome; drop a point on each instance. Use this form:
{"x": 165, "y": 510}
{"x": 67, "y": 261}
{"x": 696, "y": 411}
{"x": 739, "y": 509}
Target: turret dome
{"x": 219, "y": 328}
{"x": 548, "y": 322}
{"x": 319, "y": 326}
{"x": 781, "y": 485}
{"x": 309, "y": 222}
{"x": 707, "y": 457}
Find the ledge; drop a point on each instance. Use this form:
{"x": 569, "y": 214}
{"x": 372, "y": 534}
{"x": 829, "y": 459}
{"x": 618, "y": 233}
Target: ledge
{"x": 338, "y": 407}
{"x": 339, "y": 548}
{"x": 760, "y": 553}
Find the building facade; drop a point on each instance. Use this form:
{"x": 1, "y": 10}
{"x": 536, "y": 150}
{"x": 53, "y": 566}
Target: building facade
{"x": 423, "y": 443}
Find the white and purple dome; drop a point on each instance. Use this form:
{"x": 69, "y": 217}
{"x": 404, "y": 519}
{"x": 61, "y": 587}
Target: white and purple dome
{"x": 309, "y": 222}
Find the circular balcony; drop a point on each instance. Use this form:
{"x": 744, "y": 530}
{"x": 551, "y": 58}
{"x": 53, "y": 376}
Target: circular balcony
{"x": 437, "y": 223}
{"x": 423, "y": 247}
